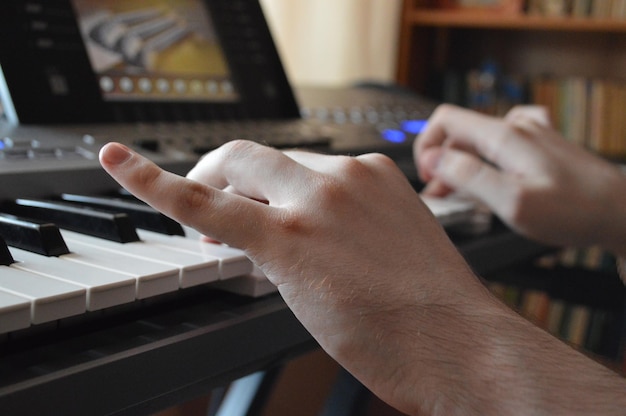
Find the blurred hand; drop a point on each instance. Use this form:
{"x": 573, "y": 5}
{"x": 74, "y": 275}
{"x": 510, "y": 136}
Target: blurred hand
{"x": 538, "y": 183}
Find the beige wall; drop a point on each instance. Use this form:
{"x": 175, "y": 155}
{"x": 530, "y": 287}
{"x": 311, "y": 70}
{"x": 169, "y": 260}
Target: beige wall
{"x": 335, "y": 42}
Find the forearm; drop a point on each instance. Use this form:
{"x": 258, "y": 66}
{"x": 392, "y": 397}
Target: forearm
{"x": 490, "y": 361}
{"x": 531, "y": 372}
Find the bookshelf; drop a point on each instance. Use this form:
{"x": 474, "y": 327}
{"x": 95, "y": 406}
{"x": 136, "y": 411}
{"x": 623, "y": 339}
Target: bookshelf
{"x": 549, "y": 60}
{"x": 495, "y": 20}
{"x": 440, "y": 48}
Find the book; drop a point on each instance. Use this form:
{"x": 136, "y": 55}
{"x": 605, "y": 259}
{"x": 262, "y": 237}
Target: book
{"x": 535, "y": 305}
{"x": 595, "y": 333}
{"x": 496, "y": 6}
{"x": 600, "y": 9}
{"x": 577, "y": 326}
{"x": 597, "y": 120}
{"x": 548, "y": 7}
{"x": 556, "y": 311}
{"x": 512, "y": 296}
{"x": 581, "y": 8}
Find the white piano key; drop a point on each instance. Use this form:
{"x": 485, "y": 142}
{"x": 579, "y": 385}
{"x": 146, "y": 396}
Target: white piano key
{"x": 14, "y": 312}
{"x": 105, "y": 288}
{"x": 151, "y": 278}
{"x": 232, "y": 262}
{"x": 50, "y": 299}
{"x": 254, "y": 284}
{"x": 193, "y": 269}
{"x": 450, "y": 211}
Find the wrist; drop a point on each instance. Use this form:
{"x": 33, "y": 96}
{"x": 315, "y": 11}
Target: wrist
{"x": 414, "y": 355}
{"x": 449, "y": 353}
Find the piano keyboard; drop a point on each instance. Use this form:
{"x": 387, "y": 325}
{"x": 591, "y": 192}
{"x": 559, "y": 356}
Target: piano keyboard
{"x": 80, "y": 253}
{"x": 97, "y": 259}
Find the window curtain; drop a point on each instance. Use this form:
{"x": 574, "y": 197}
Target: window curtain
{"x": 335, "y": 42}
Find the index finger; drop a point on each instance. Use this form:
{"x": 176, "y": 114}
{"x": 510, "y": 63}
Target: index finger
{"x": 230, "y": 218}
{"x": 253, "y": 170}
{"x": 464, "y": 126}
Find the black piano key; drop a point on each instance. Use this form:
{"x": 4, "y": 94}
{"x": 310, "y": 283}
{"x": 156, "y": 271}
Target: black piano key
{"x": 5, "y": 255}
{"x": 90, "y": 221}
{"x": 143, "y": 216}
{"x": 122, "y": 193}
{"x": 38, "y": 237}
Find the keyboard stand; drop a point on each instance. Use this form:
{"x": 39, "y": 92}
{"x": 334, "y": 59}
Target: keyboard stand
{"x": 149, "y": 363}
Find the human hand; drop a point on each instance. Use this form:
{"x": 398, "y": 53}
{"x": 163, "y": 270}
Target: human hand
{"x": 370, "y": 273}
{"x": 538, "y": 183}
{"x": 353, "y": 251}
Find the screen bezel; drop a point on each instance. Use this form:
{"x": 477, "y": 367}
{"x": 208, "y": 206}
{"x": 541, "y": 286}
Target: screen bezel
{"x": 29, "y": 71}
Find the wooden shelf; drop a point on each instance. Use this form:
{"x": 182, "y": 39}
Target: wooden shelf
{"x": 491, "y": 20}
{"x": 433, "y": 40}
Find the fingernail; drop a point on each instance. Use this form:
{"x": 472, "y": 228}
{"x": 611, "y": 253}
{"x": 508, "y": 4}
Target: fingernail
{"x": 115, "y": 153}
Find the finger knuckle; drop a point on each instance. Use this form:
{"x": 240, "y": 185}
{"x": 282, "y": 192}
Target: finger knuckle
{"x": 236, "y": 148}
{"x": 378, "y": 159}
{"x": 334, "y": 192}
{"x": 354, "y": 168}
{"x": 444, "y": 111}
{"x": 292, "y": 223}
{"x": 148, "y": 177}
{"x": 191, "y": 199}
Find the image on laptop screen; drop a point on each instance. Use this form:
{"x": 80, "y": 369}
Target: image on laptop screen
{"x": 155, "y": 50}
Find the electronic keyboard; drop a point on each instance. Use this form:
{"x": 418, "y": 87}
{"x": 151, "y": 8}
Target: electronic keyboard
{"x": 74, "y": 244}
{"x": 73, "y": 253}
{"x": 106, "y": 306}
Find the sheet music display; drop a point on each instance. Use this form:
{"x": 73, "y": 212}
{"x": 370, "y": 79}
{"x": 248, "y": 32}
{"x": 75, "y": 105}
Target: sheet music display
{"x": 140, "y": 61}
{"x": 157, "y": 50}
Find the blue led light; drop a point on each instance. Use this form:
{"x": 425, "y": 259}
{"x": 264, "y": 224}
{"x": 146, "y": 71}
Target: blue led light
{"x": 2, "y": 145}
{"x": 414, "y": 126}
{"x": 394, "y": 136}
